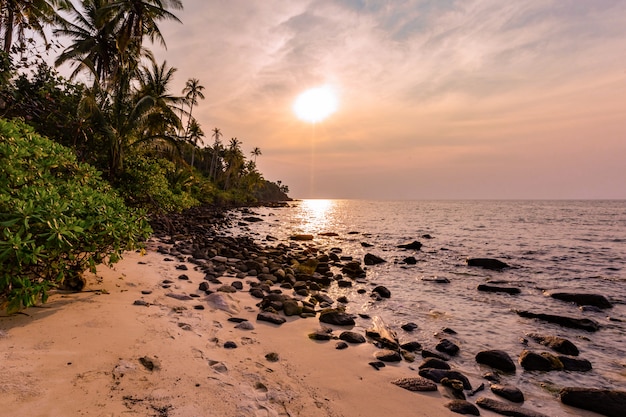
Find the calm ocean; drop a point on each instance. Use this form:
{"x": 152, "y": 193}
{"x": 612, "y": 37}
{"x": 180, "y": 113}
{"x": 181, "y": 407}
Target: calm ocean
{"x": 552, "y": 246}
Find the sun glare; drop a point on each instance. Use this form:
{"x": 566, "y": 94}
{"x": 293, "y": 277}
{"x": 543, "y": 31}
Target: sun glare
{"x": 316, "y": 104}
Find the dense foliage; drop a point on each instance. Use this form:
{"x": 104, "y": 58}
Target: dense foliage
{"x": 58, "y": 217}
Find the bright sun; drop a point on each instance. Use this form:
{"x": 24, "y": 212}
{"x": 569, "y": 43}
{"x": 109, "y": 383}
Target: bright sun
{"x": 316, "y": 104}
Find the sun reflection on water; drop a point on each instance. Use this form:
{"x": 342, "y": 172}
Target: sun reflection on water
{"x": 316, "y": 215}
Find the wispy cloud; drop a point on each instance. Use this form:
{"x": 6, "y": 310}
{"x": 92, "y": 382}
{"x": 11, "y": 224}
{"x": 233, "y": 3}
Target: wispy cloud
{"x": 452, "y": 81}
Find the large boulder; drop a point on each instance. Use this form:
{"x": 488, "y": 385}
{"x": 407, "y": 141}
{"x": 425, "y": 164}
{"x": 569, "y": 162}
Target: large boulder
{"x": 506, "y": 409}
{"x": 487, "y": 263}
{"x": 497, "y": 359}
{"x": 575, "y": 364}
{"x": 434, "y": 363}
{"x": 571, "y": 322}
{"x": 448, "y": 347}
{"x": 508, "y": 392}
{"x": 462, "y": 407}
{"x": 543, "y": 361}
{"x": 415, "y": 245}
{"x": 415, "y": 384}
{"x": 595, "y": 300}
{"x": 438, "y": 374}
{"x": 371, "y": 259}
{"x": 495, "y": 288}
{"x": 609, "y": 403}
{"x": 556, "y": 343}
{"x": 337, "y": 317}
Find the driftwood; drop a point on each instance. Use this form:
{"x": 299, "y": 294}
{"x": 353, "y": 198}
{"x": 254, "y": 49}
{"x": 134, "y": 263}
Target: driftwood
{"x": 382, "y": 334}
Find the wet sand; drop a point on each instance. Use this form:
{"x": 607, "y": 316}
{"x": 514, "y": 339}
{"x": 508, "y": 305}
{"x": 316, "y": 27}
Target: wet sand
{"x": 113, "y": 351}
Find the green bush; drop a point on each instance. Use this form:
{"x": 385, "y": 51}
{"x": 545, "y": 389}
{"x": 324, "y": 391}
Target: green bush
{"x": 57, "y": 217}
{"x": 155, "y": 184}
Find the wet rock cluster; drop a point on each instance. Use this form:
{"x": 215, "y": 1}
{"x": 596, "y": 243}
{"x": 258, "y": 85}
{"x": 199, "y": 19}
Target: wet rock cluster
{"x": 290, "y": 280}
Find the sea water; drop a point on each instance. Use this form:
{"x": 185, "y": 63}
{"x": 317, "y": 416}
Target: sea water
{"x": 551, "y": 246}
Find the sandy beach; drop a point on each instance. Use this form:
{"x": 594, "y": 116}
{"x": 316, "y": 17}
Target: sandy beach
{"x": 125, "y": 347}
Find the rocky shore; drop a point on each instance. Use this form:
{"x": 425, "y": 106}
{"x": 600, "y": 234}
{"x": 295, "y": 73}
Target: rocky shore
{"x": 260, "y": 330}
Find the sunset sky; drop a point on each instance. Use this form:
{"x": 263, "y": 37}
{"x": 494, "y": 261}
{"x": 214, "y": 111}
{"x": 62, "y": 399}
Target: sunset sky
{"x": 437, "y": 99}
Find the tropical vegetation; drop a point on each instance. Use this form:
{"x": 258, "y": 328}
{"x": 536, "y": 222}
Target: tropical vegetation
{"x": 119, "y": 137}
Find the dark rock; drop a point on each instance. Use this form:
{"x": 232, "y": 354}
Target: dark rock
{"x": 198, "y": 307}
{"x": 574, "y": 323}
{"x": 257, "y": 293}
{"x": 237, "y": 319}
{"x": 150, "y": 364}
{"x": 301, "y": 237}
{"x": 487, "y": 263}
{"x": 595, "y": 300}
{"x": 182, "y": 267}
{"x": 437, "y": 280}
{"x": 493, "y": 288}
{"x": 371, "y": 259}
{"x": 497, "y": 359}
{"x": 341, "y": 345}
{"x": 556, "y": 343}
{"x": 410, "y": 260}
{"x": 415, "y": 245}
{"x": 366, "y": 245}
{"x": 227, "y": 289}
{"x": 388, "y": 355}
{"x": 337, "y": 317}
{"x": 447, "y": 347}
{"x": 409, "y": 327}
{"x": 415, "y": 384}
{"x": 492, "y": 377}
{"x": 382, "y": 291}
{"x": 575, "y": 364}
{"x": 252, "y": 219}
{"x": 353, "y": 270}
{"x": 352, "y": 337}
{"x": 146, "y": 292}
{"x": 344, "y": 283}
{"x": 291, "y": 308}
{"x": 270, "y": 317}
{"x": 204, "y": 286}
{"x": 506, "y": 409}
{"x": 140, "y": 303}
{"x": 184, "y": 277}
{"x": 438, "y": 374}
{"x": 611, "y": 403}
{"x": 182, "y": 297}
{"x": 434, "y": 363}
{"x": 454, "y": 387}
{"x": 230, "y": 345}
{"x": 462, "y": 407}
{"x": 320, "y": 335}
{"x": 238, "y": 285}
{"x": 377, "y": 365}
{"x": 508, "y": 392}
{"x": 439, "y": 355}
{"x": 411, "y": 346}
{"x": 543, "y": 361}
{"x": 272, "y": 357}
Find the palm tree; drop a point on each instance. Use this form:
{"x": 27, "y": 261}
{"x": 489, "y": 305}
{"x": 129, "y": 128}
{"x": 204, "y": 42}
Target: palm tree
{"x": 192, "y": 92}
{"x": 137, "y": 19}
{"x": 217, "y": 134}
{"x": 154, "y": 82}
{"x": 234, "y": 162}
{"x": 256, "y": 152}
{"x": 16, "y": 16}
{"x": 195, "y": 135}
{"x": 94, "y": 47}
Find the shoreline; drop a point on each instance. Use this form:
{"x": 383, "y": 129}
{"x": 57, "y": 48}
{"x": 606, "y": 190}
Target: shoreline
{"x": 90, "y": 354}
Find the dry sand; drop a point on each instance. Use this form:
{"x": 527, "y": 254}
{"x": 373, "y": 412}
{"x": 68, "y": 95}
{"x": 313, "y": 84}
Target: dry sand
{"x": 80, "y": 355}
